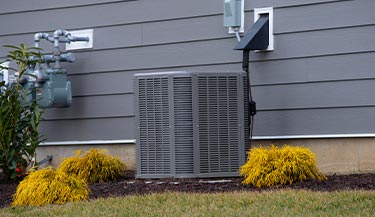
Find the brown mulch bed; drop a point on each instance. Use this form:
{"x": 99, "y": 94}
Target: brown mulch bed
{"x": 128, "y": 185}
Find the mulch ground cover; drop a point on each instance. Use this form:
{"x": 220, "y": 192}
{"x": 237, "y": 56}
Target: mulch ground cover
{"x": 128, "y": 185}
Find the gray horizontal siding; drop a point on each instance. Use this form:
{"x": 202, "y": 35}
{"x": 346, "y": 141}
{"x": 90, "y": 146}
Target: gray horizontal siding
{"x": 288, "y": 71}
{"x": 312, "y": 44}
{"x": 320, "y": 43}
{"x": 110, "y": 14}
{"x": 102, "y": 83}
{"x": 323, "y": 16}
{"x": 88, "y": 129}
{"x": 94, "y": 107}
{"x": 319, "y": 75}
{"x": 315, "y": 122}
{"x": 203, "y": 28}
{"x": 314, "y": 69}
{"x": 21, "y": 6}
{"x": 249, "y": 5}
{"x": 316, "y": 95}
{"x": 130, "y": 12}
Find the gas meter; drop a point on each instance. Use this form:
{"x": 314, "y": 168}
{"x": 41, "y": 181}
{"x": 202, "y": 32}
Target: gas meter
{"x": 56, "y": 91}
{"x": 49, "y": 85}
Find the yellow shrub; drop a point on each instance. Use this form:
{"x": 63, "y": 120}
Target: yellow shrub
{"x": 94, "y": 166}
{"x": 48, "y": 186}
{"x": 272, "y": 166}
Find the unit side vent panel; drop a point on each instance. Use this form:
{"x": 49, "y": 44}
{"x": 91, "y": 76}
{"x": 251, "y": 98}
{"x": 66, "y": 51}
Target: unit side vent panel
{"x": 183, "y": 125}
{"x": 154, "y": 135}
{"x": 218, "y": 124}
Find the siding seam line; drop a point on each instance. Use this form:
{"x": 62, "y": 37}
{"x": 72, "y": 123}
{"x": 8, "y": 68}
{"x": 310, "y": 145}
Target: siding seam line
{"x": 121, "y": 1}
{"x": 258, "y": 110}
{"x": 230, "y": 62}
{"x": 210, "y": 64}
{"x": 315, "y": 108}
{"x": 174, "y": 19}
{"x": 254, "y": 85}
{"x": 87, "y": 118}
{"x": 65, "y": 7}
{"x": 314, "y": 82}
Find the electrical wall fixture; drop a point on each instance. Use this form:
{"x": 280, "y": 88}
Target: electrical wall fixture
{"x": 234, "y": 16}
{"x": 47, "y": 82}
{"x": 260, "y": 35}
{"x": 258, "y": 38}
{"x": 255, "y": 39}
{"x": 258, "y": 12}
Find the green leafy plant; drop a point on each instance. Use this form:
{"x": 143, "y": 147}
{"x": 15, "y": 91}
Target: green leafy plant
{"x": 94, "y": 166}
{"x": 48, "y": 186}
{"x": 272, "y": 166}
{"x": 19, "y": 120}
{"x": 23, "y": 57}
{"x": 19, "y": 136}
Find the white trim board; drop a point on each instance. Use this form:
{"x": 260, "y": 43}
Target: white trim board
{"x": 321, "y": 136}
{"x": 89, "y": 142}
{"x": 133, "y": 141}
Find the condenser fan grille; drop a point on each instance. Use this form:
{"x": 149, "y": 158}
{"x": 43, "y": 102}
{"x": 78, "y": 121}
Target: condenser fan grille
{"x": 218, "y": 124}
{"x": 183, "y": 125}
{"x": 154, "y": 134}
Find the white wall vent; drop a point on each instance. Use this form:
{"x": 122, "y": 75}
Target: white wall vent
{"x": 190, "y": 124}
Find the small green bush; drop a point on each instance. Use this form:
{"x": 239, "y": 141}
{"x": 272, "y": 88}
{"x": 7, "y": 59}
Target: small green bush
{"x": 48, "y": 186}
{"x": 19, "y": 119}
{"x": 279, "y": 166}
{"x": 94, "y": 166}
{"x": 19, "y": 135}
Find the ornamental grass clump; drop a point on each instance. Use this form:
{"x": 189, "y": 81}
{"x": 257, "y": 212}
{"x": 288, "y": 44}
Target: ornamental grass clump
{"x": 272, "y": 166}
{"x": 94, "y": 166}
{"x": 49, "y": 186}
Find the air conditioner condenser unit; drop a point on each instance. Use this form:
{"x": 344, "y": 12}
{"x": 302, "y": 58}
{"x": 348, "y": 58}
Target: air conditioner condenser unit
{"x": 190, "y": 124}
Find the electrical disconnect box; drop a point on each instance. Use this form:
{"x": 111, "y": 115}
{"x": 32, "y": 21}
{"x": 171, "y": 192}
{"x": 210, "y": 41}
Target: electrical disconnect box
{"x": 232, "y": 13}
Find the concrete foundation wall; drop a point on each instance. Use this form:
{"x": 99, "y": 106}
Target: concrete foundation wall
{"x": 126, "y": 152}
{"x": 334, "y": 156}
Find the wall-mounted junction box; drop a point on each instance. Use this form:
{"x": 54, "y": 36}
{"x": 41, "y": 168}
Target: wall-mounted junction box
{"x": 269, "y": 11}
{"x": 78, "y": 45}
{"x": 234, "y": 15}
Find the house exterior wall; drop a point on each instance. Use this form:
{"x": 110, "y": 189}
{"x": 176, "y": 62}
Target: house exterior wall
{"x": 319, "y": 79}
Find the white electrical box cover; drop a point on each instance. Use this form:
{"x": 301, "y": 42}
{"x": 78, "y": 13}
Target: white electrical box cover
{"x": 269, "y": 11}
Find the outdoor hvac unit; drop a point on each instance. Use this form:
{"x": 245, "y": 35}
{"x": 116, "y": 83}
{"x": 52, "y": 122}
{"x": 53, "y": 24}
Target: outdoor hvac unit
{"x": 190, "y": 124}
